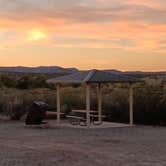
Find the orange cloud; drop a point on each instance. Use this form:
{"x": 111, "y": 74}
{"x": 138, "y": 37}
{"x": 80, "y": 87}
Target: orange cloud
{"x": 93, "y": 35}
{"x": 132, "y": 26}
{"x": 147, "y": 3}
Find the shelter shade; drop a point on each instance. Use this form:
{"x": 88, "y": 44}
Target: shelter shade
{"x": 93, "y": 76}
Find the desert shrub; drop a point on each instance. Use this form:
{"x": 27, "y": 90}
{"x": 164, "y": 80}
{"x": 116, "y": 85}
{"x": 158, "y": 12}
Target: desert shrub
{"x": 115, "y": 104}
{"x": 7, "y": 81}
{"x": 73, "y": 98}
{"x": 15, "y": 103}
{"x": 1, "y": 106}
{"x": 39, "y": 82}
{"x": 24, "y": 83}
{"x": 1, "y": 84}
{"x": 150, "y": 105}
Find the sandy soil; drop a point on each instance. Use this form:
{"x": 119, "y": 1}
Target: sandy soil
{"x": 63, "y": 146}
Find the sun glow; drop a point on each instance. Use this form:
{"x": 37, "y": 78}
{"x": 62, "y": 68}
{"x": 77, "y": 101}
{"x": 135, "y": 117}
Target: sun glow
{"x": 35, "y": 35}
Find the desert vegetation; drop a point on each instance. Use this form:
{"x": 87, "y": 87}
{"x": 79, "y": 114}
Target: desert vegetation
{"x": 18, "y": 93}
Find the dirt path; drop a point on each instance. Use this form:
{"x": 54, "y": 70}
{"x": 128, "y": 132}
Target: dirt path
{"x": 62, "y": 146}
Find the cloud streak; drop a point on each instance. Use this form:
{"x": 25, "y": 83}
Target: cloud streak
{"x": 131, "y": 25}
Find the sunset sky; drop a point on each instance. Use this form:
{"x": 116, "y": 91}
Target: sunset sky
{"x": 103, "y": 34}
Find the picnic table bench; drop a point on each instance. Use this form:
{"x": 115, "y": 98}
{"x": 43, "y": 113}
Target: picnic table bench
{"x": 77, "y": 120}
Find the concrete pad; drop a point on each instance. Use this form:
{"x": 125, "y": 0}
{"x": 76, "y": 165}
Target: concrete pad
{"x": 103, "y": 125}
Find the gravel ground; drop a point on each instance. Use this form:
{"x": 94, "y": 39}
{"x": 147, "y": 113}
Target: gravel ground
{"x": 63, "y": 146}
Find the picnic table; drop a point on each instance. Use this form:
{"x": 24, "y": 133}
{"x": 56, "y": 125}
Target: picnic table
{"x": 78, "y": 117}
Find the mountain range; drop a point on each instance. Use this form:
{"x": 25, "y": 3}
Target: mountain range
{"x": 61, "y": 70}
{"x": 40, "y": 69}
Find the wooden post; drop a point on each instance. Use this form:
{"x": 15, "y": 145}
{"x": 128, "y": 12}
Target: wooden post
{"x": 88, "y": 105}
{"x": 131, "y": 104}
{"x": 99, "y": 95}
{"x": 58, "y": 102}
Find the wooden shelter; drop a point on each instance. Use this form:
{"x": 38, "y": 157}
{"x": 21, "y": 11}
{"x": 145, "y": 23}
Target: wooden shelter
{"x": 94, "y": 77}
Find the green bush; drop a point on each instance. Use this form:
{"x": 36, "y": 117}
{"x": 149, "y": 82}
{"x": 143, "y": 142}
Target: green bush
{"x": 24, "y": 83}
{"x": 39, "y": 82}
{"x": 150, "y": 105}
{"x": 7, "y": 81}
{"x": 15, "y": 103}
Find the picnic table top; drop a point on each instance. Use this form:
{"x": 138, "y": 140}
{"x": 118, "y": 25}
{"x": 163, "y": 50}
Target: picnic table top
{"x": 75, "y": 117}
{"x": 84, "y": 111}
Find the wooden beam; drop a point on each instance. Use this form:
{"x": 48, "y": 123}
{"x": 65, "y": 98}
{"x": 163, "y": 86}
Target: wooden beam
{"x": 58, "y": 102}
{"x": 88, "y": 105}
{"x": 99, "y": 96}
{"x": 131, "y": 101}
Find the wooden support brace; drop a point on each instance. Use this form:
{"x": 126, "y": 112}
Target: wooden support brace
{"x": 131, "y": 101}
{"x": 99, "y": 103}
{"x": 88, "y": 105}
{"x": 58, "y": 103}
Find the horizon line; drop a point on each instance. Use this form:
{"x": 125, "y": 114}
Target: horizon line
{"x": 84, "y": 69}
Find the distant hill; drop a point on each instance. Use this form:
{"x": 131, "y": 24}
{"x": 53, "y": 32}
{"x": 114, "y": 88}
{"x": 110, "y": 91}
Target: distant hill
{"x": 138, "y": 73}
{"x": 114, "y": 71}
{"x": 49, "y": 70}
{"x": 145, "y": 74}
{"x": 40, "y": 69}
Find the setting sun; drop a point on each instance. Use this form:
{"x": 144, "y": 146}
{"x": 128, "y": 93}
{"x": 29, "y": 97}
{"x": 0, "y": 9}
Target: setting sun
{"x": 36, "y": 35}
